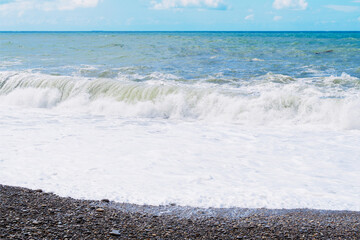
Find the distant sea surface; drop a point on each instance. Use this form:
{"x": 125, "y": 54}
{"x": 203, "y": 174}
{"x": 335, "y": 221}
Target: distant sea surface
{"x": 207, "y": 119}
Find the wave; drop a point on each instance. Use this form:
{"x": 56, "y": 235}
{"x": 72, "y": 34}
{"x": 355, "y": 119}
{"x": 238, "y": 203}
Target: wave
{"x": 269, "y": 100}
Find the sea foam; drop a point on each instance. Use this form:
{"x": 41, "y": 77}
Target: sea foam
{"x": 271, "y": 99}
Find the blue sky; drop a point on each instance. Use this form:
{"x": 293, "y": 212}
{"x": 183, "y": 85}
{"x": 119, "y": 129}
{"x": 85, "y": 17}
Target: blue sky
{"x": 179, "y": 15}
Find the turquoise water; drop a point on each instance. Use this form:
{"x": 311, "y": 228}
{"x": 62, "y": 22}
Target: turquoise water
{"x": 221, "y": 56}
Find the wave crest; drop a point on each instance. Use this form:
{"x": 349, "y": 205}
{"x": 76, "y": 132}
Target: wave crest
{"x": 278, "y": 100}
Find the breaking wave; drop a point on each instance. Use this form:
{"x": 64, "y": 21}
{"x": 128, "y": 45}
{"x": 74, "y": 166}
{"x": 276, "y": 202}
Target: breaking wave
{"x": 270, "y": 100}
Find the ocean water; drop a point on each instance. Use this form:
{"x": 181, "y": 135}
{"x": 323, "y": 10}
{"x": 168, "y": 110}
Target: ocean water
{"x": 205, "y": 119}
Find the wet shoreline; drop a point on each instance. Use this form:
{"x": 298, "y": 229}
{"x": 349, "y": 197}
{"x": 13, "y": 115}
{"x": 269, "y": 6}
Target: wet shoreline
{"x": 34, "y": 214}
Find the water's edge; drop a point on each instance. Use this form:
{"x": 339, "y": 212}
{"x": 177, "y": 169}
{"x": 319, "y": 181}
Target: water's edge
{"x": 189, "y": 212}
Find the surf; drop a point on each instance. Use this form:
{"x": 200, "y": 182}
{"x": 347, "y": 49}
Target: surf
{"x": 270, "y": 99}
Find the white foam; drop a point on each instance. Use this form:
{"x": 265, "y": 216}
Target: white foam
{"x": 188, "y": 163}
{"x": 32, "y": 97}
{"x": 274, "y": 144}
{"x": 257, "y": 60}
{"x": 270, "y": 100}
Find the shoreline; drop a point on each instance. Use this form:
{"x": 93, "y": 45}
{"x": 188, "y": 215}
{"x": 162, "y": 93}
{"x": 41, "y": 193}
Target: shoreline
{"x": 34, "y": 214}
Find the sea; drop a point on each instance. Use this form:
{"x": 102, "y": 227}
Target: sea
{"x": 201, "y": 119}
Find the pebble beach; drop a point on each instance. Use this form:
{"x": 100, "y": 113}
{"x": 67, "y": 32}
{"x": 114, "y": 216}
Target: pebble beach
{"x": 34, "y": 214}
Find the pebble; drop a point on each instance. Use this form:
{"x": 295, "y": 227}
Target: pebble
{"x": 72, "y": 219}
{"x": 35, "y": 222}
{"x": 115, "y": 232}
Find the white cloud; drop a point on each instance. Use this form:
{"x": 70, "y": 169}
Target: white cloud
{"x": 277, "y": 18}
{"x": 249, "y": 17}
{"x": 21, "y": 6}
{"x": 292, "y": 4}
{"x": 343, "y": 8}
{"x": 167, "y": 4}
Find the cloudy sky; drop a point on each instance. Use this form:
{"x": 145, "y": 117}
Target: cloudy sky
{"x": 179, "y": 15}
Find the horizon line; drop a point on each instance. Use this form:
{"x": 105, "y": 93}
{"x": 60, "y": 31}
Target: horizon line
{"x": 94, "y": 31}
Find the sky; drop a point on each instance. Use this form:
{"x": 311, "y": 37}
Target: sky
{"x": 180, "y": 15}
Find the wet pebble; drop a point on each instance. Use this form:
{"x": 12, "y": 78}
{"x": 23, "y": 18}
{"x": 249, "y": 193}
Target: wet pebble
{"x": 25, "y": 214}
